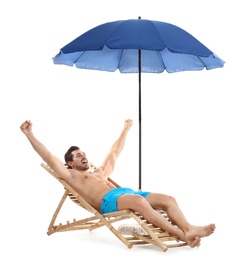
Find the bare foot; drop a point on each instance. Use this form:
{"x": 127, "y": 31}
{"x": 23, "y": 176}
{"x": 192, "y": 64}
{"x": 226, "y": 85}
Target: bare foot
{"x": 195, "y": 243}
{"x": 195, "y": 233}
{"x": 192, "y": 241}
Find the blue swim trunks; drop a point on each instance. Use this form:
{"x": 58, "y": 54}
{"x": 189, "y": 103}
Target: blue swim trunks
{"x": 109, "y": 202}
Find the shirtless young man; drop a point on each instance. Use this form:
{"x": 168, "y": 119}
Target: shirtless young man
{"x": 105, "y": 197}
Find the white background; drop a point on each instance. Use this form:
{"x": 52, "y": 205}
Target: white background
{"x": 195, "y": 125}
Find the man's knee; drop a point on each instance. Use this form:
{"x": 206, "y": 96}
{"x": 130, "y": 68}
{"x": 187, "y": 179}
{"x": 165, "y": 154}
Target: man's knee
{"x": 139, "y": 202}
{"x": 166, "y": 201}
{"x": 171, "y": 198}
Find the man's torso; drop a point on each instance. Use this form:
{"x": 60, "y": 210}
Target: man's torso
{"x": 92, "y": 187}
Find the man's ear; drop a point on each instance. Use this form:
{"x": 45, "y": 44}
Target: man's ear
{"x": 70, "y": 163}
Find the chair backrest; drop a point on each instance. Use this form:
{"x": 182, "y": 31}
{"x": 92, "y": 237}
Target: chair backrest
{"x": 72, "y": 194}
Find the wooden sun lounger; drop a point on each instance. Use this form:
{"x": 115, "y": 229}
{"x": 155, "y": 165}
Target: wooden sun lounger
{"x": 152, "y": 235}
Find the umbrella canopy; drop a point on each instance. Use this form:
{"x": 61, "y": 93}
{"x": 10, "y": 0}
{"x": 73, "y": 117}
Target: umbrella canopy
{"x": 136, "y": 46}
{"x": 115, "y": 45}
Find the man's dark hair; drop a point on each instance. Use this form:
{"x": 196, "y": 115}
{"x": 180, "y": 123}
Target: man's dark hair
{"x": 69, "y": 156}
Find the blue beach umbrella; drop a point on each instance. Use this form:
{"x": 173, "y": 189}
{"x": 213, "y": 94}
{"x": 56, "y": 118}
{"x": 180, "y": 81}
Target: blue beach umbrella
{"x": 138, "y": 46}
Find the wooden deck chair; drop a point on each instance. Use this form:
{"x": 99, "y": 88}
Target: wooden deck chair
{"x": 145, "y": 234}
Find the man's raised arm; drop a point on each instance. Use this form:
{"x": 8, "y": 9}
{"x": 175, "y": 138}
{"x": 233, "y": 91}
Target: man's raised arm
{"x": 110, "y": 160}
{"x": 56, "y": 165}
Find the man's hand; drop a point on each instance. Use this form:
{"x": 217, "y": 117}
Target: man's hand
{"x": 128, "y": 123}
{"x": 26, "y": 127}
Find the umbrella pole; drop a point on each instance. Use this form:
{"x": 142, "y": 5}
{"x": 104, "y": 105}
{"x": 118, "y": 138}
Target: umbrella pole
{"x": 139, "y": 65}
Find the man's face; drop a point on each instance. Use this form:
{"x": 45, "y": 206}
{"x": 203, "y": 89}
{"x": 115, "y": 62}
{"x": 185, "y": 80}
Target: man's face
{"x": 80, "y": 161}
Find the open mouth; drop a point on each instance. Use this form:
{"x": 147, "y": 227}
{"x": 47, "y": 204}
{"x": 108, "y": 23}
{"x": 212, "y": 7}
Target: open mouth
{"x": 84, "y": 161}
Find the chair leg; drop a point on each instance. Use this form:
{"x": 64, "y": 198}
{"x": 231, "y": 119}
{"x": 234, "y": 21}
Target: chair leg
{"x": 52, "y": 222}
